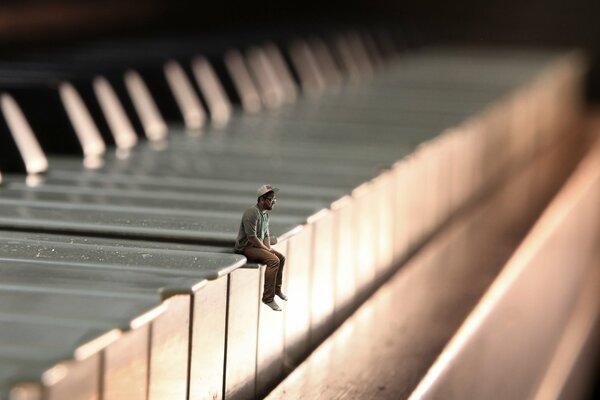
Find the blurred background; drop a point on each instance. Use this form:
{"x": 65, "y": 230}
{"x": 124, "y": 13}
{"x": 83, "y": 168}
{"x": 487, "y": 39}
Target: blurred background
{"x": 526, "y": 22}
{"x": 26, "y": 24}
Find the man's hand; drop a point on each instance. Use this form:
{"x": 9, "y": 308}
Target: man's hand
{"x": 254, "y": 241}
{"x": 267, "y": 243}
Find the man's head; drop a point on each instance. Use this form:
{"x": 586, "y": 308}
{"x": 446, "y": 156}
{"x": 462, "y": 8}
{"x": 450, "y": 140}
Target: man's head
{"x": 266, "y": 197}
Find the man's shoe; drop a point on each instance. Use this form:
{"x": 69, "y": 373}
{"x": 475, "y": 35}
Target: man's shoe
{"x": 281, "y": 295}
{"x": 274, "y": 306}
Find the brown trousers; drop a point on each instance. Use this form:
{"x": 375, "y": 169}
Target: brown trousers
{"x": 273, "y": 273}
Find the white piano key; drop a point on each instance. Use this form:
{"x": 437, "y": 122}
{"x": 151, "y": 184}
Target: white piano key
{"x": 208, "y": 340}
{"x": 270, "y": 344}
{"x": 169, "y": 357}
{"x": 402, "y": 206}
{"x": 345, "y": 256}
{"x": 152, "y": 121}
{"x": 311, "y": 78}
{"x": 298, "y": 286}
{"x": 32, "y": 154}
{"x": 327, "y": 66}
{"x": 244, "y": 84}
{"x": 120, "y": 126}
{"x": 367, "y": 237}
{"x": 209, "y": 305}
{"x": 242, "y": 334}
{"x": 360, "y": 54}
{"x": 22, "y": 390}
{"x": 89, "y": 137}
{"x": 373, "y": 52}
{"x": 219, "y": 105}
{"x": 281, "y": 70}
{"x": 322, "y": 297}
{"x": 550, "y": 268}
{"x": 187, "y": 100}
{"x": 152, "y": 198}
{"x": 75, "y": 380}
{"x": 25, "y": 341}
{"x": 125, "y": 372}
{"x": 270, "y": 88}
{"x": 384, "y": 217}
{"x": 347, "y": 59}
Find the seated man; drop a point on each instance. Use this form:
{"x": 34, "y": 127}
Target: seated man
{"x": 254, "y": 242}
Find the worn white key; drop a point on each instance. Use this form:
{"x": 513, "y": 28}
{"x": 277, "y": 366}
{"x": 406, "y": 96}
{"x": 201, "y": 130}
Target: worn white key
{"x": 324, "y": 59}
{"x": 282, "y": 71}
{"x": 271, "y": 90}
{"x": 347, "y": 59}
{"x": 32, "y": 154}
{"x": 311, "y": 77}
{"x": 120, "y": 126}
{"x": 216, "y": 99}
{"x": 245, "y": 86}
{"x": 360, "y": 54}
{"x": 89, "y": 137}
{"x": 375, "y": 55}
{"x": 187, "y": 100}
{"x": 152, "y": 121}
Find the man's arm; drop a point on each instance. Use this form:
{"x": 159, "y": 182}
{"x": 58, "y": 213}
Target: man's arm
{"x": 255, "y": 242}
{"x": 250, "y": 221}
{"x": 267, "y": 239}
{"x": 267, "y": 242}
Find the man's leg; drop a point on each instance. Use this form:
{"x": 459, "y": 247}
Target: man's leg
{"x": 272, "y": 261}
{"x": 279, "y": 279}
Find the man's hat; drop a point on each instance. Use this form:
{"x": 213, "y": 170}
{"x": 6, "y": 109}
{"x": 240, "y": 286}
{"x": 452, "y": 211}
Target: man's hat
{"x": 264, "y": 189}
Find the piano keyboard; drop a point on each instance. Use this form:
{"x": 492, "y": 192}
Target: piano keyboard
{"x": 119, "y": 280}
{"x": 426, "y": 334}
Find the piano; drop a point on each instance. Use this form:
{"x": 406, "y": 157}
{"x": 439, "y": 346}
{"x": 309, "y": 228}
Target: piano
{"x": 410, "y": 183}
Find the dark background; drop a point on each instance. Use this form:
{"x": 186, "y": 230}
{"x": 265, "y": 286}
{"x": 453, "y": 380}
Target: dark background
{"x": 526, "y": 22}
{"x": 26, "y": 24}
